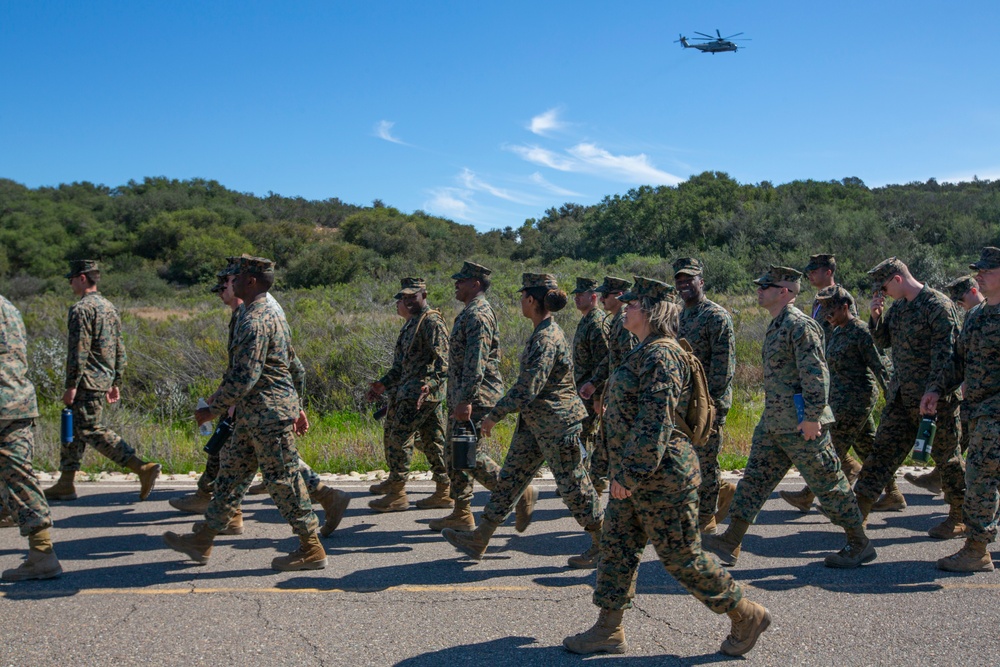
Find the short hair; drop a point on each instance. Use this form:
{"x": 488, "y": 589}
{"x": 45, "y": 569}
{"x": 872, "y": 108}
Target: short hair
{"x": 484, "y": 282}
{"x": 93, "y": 277}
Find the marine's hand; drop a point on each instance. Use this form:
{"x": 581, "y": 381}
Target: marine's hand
{"x": 928, "y": 403}
{"x": 599, "y": 406}
{"x": 113, "y": 395}
{"x": 425, "y": 391}
{"x": 810, "y": 430}
{"x": 202, "y": 416}
{"x": 301, "y": 425}
{"x": 587, "y": 390}
{"x": 619, "y": 492}
{"x": 462, "y": 412}
{"x": 877, "y": 304}
{"x": 69, "y": 397}
{"x": 375, "y": 389}
{"x": 487, "y": 427}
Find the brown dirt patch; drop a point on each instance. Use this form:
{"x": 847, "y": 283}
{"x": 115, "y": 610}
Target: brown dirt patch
{"x": 161, "y": 314}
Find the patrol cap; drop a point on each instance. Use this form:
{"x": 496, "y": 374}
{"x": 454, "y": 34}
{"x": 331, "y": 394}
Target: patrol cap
{"x": 471, "y": 270}
{"x": 78, "y": 266}
{"x": 832, "y": 297}
{"x": 612, "y": 284}
{"x": 886, "y": 269}
{"x": 820, "y": 262}
{"x": 254, "y": 266}
{"x": 411, "y": 286}
{"x": 959, "y": 288}
{"x": 584, "y": 285}
{"x": 647, "y": 288}
{"x": 782, "y": 276}
{"x": 989, "y": 258}
{"x": 546, "y": 280}
{"x": 689, "y": 266}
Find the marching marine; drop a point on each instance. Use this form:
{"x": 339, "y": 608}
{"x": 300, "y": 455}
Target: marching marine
{"x": 590, "y": 349}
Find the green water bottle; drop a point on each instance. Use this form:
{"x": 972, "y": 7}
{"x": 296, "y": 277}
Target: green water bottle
{"x": 925, "y": 439}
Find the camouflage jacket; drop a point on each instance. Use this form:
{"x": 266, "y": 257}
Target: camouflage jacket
{"x": 590, "y": 350}
{"x": 474, "y": 356}
{"x": 827, "y": 329}
{"x": 421, "y": 357}
{"x": 644, "y": 393}
{"x": 296, "y": 368}
{"x": 621, "y": 341}
{"x": 794, "y": 364}
{"x": 259, "y": 379}
{"x": 709, "y": 329}
{"x": 857, "y": 368}
{"x": 17, "y": 394}
{"x": 96, "y": 351}
{"x": 922, "y": 334}
{"x": 978, "y": 359}
{"x": 544, "y": 392}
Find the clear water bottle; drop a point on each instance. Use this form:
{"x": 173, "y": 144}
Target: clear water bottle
{"x": 205, "y": 429}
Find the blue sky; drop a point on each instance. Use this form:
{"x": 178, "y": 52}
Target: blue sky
{"x": 491, "y": 113}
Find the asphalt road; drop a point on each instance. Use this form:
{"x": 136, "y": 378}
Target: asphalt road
{"x": 397, "y": 594}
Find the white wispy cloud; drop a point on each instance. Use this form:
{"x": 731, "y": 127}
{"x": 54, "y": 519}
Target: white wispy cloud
{"x": 543, "y": 183}
{"x": 450, "y": 203}
{"x": 988, "y": 174}
{"x": 546, "y": 122}
{"x": 471, "y": 181}
{"x": 591, "y": 159}
{"x": 383, "y": 130}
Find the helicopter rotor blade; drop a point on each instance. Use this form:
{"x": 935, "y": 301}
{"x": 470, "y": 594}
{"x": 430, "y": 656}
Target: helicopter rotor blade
{"x": 718, "y": 34}
{"x": 703, "y": 35}
{"x": 731, "y": 36}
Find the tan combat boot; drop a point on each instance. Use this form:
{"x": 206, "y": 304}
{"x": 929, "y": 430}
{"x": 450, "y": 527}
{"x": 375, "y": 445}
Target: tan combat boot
{"x": 193, "y": 503}
{"x": 394, "y": 500}
{"x": 334, "y": 504}
{"x": 750, "y": 620}
{"x": 929, "y": 481}
{"x": 439, "y": 499}
{"x": 707, "y": 524}
{"x": 41, "y": 562}
{"x": 64, "y": 489}
{"x": 6, "y": 519}
{"x": 892, "y": 500}
{"x": 257, "y": 489}
{"x": 800, "y": 500}
{"x": 197, "y": 545}
{"x": 973, "y": 557}
{"x": 459, "y": 520}
{"x": 524, "y": 509}
{"x": 607, "y": 636}
{"x": 147, "y": 474}
{"x": 309, "y": 556}
{"x": 588, "y": 559}
{"x": 472, "y": 543}
{"x": 727, "y": 491}
{"x": 859, "y": 550}
{"x": 234, "y": 527}
{"x": 726, "y": 547}
{"x": 953, "y": 526}
{"x": 381, "y": 488}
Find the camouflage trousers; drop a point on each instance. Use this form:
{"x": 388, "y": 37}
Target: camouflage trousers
{"x": 206, "y": 483}
{"x": 771, "y": 456}
{"x": 597, "y": 448}
{"x": 22, "y": 493}
{"x": 486, "y": 472}
{"x": 982, "y": 479}
{"x": 670, "y": 523}
{"x": 708, "y": 461}
{"x": 402, "y": 423}
{"x": 896, "y": 432}
{"x": 88, "y": 407}
{"x": 564, "y": 454}
{"x": 271, "y": 447}
{"x": 853, "y": 430}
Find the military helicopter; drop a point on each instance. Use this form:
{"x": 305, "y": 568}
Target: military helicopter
{"x": 713, "y": 45}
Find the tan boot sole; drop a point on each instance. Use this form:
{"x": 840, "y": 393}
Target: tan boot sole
{"x": 173, "y": 541}
{"x": 298, "y": 567}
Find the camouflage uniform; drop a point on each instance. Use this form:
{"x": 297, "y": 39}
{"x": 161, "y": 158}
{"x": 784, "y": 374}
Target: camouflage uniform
{"x": 794, "y": 364}
{"x": 94, "y": 364}
{"x": 18, "y": 410}
{"x": 259, "y": 382}
{"x": 590, "y": 349}
{"x": 421, "y": 357}
{"x": 620, "y": 343}
{"x": 474, "y": 378}
{"x": 857, "y": 368}
{"x": 548, "y": 427}
{"x": 659, "y": 466}
{"x": 956, "y": 290}
{"x": 709, "y": 329}
{"x": 922, "y": 334}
